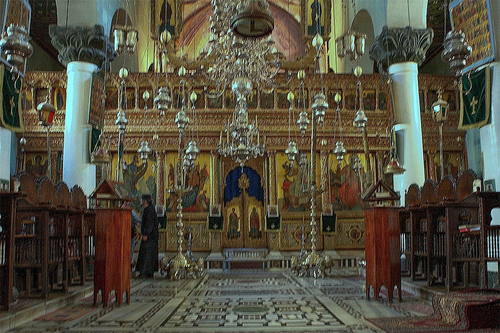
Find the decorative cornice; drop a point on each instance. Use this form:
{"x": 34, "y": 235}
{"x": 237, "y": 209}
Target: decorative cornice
{"x": 78, "y": 43}
{"x": 395, "y": 45}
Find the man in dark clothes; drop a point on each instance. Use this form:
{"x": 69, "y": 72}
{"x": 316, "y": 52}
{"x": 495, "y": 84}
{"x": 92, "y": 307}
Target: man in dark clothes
{"x": 147, "y": 262}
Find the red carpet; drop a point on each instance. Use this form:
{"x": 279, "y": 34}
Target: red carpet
{"x": 474, "y": 310}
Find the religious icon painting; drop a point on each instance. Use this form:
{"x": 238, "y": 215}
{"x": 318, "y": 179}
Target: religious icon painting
{"x": 350, "y": 100}
{"x": 369, "y": 100}
{"x": 254, "y": 219}
{"x": 59, "y": 98}
{"x": 328, "y": 223}
{"x": 315, "y": 17}
{"x": 164, "y": 17}
{"x": 215, "y": 210}
{"x": 282, "y": 99}
{"x": 252, "y": 100}
{"x": 272, "y": 210}
{"x": 267, "y": 99}
{"x": 196, "y": 199}
{"x": 233, "y": 217}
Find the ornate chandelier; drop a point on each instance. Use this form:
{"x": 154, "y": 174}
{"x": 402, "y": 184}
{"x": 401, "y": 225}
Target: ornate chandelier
{"x": 241, "y": 141}
{"x": 240, "y": 44}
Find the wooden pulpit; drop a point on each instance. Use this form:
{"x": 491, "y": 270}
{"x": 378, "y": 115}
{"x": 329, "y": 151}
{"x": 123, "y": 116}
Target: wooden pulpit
{"x": 382, "y": 250}
{"x": 113, "y": 238}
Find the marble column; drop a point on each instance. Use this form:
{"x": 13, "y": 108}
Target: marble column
{"x": 399, "y": 51}
{"x": 82, "y": 50}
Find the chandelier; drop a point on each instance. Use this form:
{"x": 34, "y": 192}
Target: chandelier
{"x": 241, "y": 141}
{"x": 240, "y": 44}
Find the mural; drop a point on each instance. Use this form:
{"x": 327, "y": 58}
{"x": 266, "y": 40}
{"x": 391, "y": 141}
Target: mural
{"x": 198, "y": 179}
{"x": 139, "y": 177}
{"x": 292, "y": 180}
{"x": 343, "y": 182}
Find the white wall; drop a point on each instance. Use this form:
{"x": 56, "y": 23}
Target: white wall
{"x": 5, "y": 153}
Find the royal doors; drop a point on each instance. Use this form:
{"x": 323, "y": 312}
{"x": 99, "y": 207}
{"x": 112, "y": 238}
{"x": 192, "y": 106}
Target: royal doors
{"x": 243, "y": 209}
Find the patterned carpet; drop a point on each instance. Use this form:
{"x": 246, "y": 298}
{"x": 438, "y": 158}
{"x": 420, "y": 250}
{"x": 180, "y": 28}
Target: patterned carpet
{"x": 246, "y": 301}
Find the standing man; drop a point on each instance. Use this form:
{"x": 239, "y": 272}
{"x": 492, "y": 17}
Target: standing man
{"x": 147, "y": 262}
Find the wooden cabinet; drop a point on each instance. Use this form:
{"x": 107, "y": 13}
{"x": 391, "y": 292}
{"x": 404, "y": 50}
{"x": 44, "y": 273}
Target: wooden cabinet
{"x": 112, "y": 257}
{"x": 382, "y": 250}
{"x": 7, "y": 219}
{"x": 452, "y": 238}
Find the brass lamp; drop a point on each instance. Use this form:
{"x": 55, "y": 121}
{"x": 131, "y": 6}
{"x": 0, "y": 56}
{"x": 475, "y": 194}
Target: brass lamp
{"x": 292, "y": 151}
{"x": 440, "y": 108}
{"x": 131, "y": 41}
{"x": 144, "y": 151}
{"x": 163, "y": 100}
{"x": 351, "y": 44}
{"x": 253, "y": 20}
{"x": 16, "y": 45}
{"x": 119, "y": 36}
{"x": 393, "y": 167}
{"x": 125, "y": 39}
{"x": 46, "y": 112}
{"x": 440, "y": 115}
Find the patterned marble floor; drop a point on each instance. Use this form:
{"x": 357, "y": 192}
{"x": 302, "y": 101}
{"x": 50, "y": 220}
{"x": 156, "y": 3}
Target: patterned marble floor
{"x": 234, "y": 302}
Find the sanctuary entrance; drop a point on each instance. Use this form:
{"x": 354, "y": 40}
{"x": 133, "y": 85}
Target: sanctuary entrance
{"x": 243, "y": 208}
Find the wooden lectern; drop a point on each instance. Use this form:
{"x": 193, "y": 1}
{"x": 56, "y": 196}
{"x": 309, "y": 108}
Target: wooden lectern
{"x": 113, "y": 238}
{"x": 382, "y": 250}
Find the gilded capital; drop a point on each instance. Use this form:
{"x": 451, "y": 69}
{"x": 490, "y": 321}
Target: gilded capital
{"x": 78, "y": 43}
{"x": 395, "y": 45}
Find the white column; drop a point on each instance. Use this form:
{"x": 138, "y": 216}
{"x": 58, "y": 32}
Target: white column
{"x": 5, "y": 153}
{"x": 77, "y": 169}
{"x": 409, "y": 129}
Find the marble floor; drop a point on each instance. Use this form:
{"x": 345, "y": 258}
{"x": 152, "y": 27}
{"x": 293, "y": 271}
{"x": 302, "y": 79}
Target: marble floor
{"x": 239, "y": 301}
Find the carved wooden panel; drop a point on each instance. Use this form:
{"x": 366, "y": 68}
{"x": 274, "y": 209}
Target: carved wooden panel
{"x": 446, "y": 189}
{"x": 428, "y": 193}
{"x": 413, "y": 196}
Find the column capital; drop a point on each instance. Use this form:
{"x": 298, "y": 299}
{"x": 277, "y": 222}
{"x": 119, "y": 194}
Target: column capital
{"x": 396, "y": 45}
{"x": 80, "y": 43}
